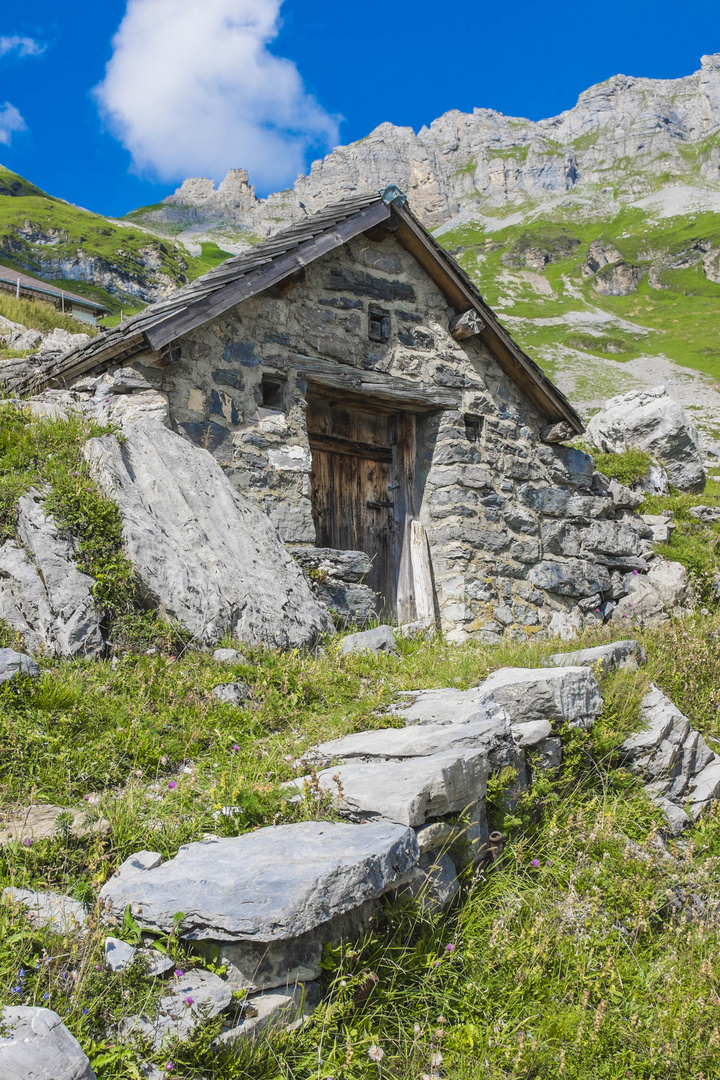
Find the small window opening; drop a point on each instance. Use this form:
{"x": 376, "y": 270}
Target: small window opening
{"x": 378, "y": 324}
{"x": 273, "y": 392}
{"x": 473, "y": 427}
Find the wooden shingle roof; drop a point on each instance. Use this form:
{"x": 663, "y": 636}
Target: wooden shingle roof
{"x": 273, "y": 260}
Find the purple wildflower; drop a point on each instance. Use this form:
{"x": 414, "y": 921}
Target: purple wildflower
{"x": 535, "y": 863}
{"x": 172, "y": 785}
{"x": 76, "y": 473}
{"x": 45, "y": 996}
{"x": 178, "y": 973}
{"x": 98, "y": 967}
{"x": 85, "y": 1012}
{"x": 634, "y": 571}
{"x": 27, "y": 841}
{"x": 236, "y": 747}
{"x": 169, "y": 1067}
{"x": 189, "y": 1000}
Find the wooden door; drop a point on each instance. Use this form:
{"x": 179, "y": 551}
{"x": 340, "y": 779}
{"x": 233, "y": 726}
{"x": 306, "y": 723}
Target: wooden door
{"x": 359, "y": 488}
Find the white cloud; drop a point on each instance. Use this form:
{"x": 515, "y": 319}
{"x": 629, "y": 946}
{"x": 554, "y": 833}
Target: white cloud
{"x": 191, "y": 89}
{"x": 10, "y": 122}
{"x": 24, "y": 46}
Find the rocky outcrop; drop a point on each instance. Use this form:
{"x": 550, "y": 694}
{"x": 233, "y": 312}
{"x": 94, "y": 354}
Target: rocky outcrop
{"x": 43, "y": 595}
{"x": 203, "y": 554}
{"x": 336, "y": 578}
{"x": 36, "y": 1045}
{"x": 463, "y": 160}
{"x": 683, "y": 773}
{"x": 650, "y": 420}
{"x": 60, "y": 913}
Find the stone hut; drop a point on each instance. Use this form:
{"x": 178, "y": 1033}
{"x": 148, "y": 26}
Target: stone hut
{"x": 350, "y": 380}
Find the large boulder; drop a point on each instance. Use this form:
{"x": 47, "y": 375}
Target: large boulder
{"x": 651, "y": 598}
{"x": 650, "y": 420}
{"x": 43, "y": 595}
{"x": 269, "y": 884}
{"x": 36, "y": 1045}
{"x": 268, "y": 901}
{"x": 203, "y": 554}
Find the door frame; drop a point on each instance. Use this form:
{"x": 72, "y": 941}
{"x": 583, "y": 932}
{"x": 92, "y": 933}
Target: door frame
{"x": 405, "y": 481}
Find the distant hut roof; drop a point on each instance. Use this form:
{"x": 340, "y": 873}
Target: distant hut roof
{"x": 9, "y": 279}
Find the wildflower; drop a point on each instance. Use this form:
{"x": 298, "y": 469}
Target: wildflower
{"x": 169, "y": 1066}
{"x": 86, "y": 798}
{"x": 634, "y": 571}
{"x": 45, "y": 996}
{"x": 417, "y": 1029}
{"x": 436, "y": 1060}
{"x": 597, "y": 610}
{"x": 27, "y": 841}
{"x": 178, "y": 973}
{"x": 172, "y": 785}
{"x": 535, "y": 863}
{"x": 98, "y": 967}
{"x": 85, "y": 1012}
{"x": 189, "y": 1001}
{"x": 450, "y": 948}
{"x": 548, "y": 863}
{"x": 376, "y": 1054}
{"x": 236, "y": 747}
{"x": 76, "y": 473}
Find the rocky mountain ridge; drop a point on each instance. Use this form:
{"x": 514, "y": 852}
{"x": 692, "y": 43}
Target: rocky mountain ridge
{"x": 623, "y": 139}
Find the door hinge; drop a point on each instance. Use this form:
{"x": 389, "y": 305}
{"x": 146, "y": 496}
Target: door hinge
{"x": 376, "y": 504}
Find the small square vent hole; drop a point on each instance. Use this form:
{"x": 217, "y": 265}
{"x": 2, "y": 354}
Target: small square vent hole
{"x": 273, "y": 392}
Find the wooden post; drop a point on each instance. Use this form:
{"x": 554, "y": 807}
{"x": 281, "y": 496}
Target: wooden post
{"x": 17, "y": 291}
{"x": 466, "y": 325}
{"x": 422, "y": 574}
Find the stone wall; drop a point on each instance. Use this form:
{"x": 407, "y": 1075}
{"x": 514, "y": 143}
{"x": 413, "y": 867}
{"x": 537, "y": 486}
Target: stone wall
{"x": 518, "y": 530}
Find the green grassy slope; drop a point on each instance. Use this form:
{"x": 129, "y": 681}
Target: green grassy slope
{"x": 117, "y": 265}
{"x": 678, "y": 320}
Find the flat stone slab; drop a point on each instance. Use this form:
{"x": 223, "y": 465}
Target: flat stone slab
{"x": 194, "y": 997}
{"x": 267, "y": 885}
{"x": 408, "y": 792}
{"x": 447, "y": 705}
{"x": 617, "y": 654}
{"x": 565, "y": 695}
{"x": 40, "y": 823}
{"x": 229, "y": 656}
{"x": 489, "y": 734}
{"x": 59, "y": 912}
{"x": 36, "y": 1045}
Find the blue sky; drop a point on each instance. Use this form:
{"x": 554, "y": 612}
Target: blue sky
{"x": 197, "y": 86}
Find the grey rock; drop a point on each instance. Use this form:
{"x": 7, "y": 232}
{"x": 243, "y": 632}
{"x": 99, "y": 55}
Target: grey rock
{"x": 532, "y": 733}
{"x": 491, "y": 734}
{"x": 48, "y": 601}
{"x": 137, "y": 863}
{"x": 40, "y": 822}
{"x": 36, "y": 1045}
{"x": 708, "y": 515}
{"x": 447, "y": 705}
{"x": 571, "y": 577}
{"x": 196, "y": 996}
{"x": 676, "y": 817}
{"x": 548, "y": 753}
{"x": 229, "y": 656}
{"x": 434, "y": 884}
{"x": 234, "y": 693}
{"x": 705, "y": 785}
{"x": 12, "y": 663}
{"x": 380, "y": 639}
{"x": 615, "y": 655}
{"x": 203, "y": 554}
{"x": 352, "y": 603}
{"x": 625, "y": 497}
{"x": 661, "y": 527}
{"x": 282, "y": 1008}
{"x": 262, "y": 965}
{"x": 435, "y": 836}
{"x": 565, "y": 695}
{"x": 664, "y": 590}
{"x": 650, "y": 420}
{"x": 267, "y": 885}
{"x": 408, "y": 792}
{"x": 119, "y": 956}
{"x": 53, "y": 910}
{"x": 350, "y": 566}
